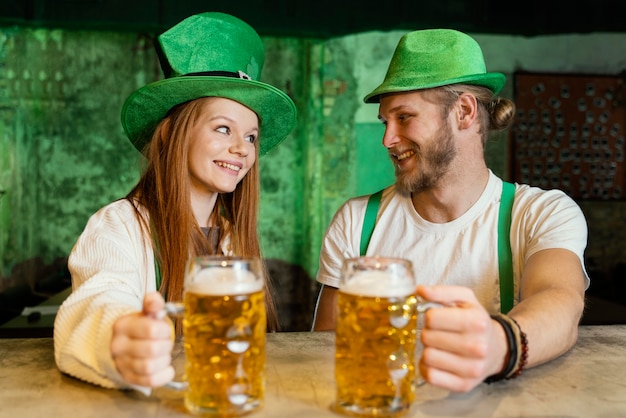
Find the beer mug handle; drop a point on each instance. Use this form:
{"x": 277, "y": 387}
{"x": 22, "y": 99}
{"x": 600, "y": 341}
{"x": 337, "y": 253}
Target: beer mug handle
{"x": 423, "y": 306}
{"x": 177, "y": 386}
{"x": 174, "y": 310}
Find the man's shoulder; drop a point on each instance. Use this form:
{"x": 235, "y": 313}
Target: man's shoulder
{"x": 360, "y": 202}
{"x": 535, "y": 203}
{"x": 537, "y": 195}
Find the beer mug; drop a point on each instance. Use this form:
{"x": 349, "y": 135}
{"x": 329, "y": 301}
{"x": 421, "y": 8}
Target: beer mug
{"x": 376, "y": 338}
{"x": 224, "y": 326}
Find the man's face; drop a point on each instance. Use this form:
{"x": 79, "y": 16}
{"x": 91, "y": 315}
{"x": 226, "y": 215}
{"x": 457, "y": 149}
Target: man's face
{"x": 420, "y": 142}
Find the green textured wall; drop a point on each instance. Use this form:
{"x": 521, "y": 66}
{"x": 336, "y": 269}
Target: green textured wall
{"x": 288, "y": 214}
{"x": 63, "y": 151}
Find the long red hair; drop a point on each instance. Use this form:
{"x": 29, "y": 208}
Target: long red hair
{"x": 164, "y": 192}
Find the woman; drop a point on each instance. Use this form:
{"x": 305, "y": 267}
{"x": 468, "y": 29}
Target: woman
{"x": 201, "y": 130}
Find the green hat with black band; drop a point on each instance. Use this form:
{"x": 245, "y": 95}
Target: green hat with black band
{"x": 210, "y": 54}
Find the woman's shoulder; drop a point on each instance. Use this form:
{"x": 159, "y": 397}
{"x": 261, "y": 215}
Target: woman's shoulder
{"x": 119, "y": 208}
{"x": 117, "y": 213}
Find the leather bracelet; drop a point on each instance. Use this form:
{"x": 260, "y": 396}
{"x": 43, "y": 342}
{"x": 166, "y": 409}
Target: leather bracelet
{"x": 522, "y": 352}
{"x": 513, "y": 349}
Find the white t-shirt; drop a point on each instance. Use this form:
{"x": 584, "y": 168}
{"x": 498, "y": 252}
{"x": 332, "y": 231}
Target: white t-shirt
{"x": 465, "y": 250}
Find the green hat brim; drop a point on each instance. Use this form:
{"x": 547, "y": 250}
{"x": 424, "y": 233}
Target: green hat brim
{"x": 147, "y": 106}
{"x": 493, "y": 81}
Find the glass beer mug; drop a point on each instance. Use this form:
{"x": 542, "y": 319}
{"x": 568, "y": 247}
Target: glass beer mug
{"x": 224, "y": 327}
{"x": 376, "y": 337}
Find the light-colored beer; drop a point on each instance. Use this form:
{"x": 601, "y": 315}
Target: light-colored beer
{"x": 375, "y": 346}
{"x": 224, "y": 339}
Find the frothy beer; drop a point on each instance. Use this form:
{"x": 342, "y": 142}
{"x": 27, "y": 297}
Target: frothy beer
{"x": 375, "y": 344}
{"x": 224, "y": 337}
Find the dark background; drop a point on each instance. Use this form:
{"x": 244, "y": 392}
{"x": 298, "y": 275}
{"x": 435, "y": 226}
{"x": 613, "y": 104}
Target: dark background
{"x": 326, "y": 18}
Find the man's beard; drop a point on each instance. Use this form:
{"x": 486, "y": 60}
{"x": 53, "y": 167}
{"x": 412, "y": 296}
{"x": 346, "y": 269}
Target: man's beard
{"x": 433, "y": 162}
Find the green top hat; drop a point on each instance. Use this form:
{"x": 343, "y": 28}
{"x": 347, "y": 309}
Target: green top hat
{"x": 209, "y": 54}
{"x": 433, "y": 58}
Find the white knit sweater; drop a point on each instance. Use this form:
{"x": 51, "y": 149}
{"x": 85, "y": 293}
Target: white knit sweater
{"x": 112, "y": 268}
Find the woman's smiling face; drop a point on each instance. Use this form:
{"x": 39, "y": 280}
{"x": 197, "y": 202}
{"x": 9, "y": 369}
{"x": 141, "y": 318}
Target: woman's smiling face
{"x": 222, "y": 148}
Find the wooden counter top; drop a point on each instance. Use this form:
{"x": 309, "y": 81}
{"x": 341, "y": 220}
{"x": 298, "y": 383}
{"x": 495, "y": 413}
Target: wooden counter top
{"x": 587, "y": 382}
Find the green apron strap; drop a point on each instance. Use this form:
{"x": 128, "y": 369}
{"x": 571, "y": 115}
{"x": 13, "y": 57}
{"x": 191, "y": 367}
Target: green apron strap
{"x": 505, "y": 258}
{"x": 370, "y": 220}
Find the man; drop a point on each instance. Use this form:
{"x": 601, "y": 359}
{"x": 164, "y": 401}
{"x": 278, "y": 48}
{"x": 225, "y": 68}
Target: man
{"x": 438, "y": 104}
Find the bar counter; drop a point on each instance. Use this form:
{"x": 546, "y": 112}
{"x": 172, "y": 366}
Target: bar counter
{"x": 587, "y": 382}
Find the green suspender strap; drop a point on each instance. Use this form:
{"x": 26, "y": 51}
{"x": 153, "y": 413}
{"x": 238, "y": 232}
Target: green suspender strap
{"x": 370, "y": 220}
{"x": 157, "y": 273}
{"x": 505, "y": 259}
{"x": 157, "y": 268}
